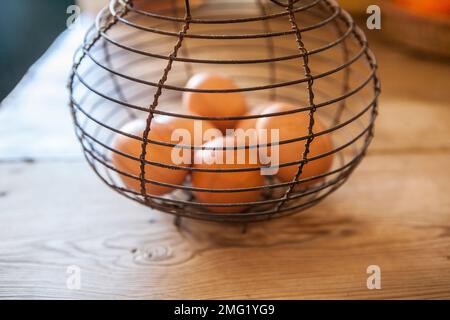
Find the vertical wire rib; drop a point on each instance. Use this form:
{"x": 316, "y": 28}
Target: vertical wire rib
{"x": 362, "y": 41}
{"x": 310, "y": 83}
{"x": 270, "y": 49}
{"x": 373, "y": 66}
{"x": 184, "y": 50}
{"x": 346, "y": 77}
{"x": 156, "y": 97}
{"x": 345, "y": 57}
{"x": 87, "y": 46}
{"x": 116, "y": 85}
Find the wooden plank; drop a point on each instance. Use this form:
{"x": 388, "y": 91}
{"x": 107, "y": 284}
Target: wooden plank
{"x": 127, "y": 251}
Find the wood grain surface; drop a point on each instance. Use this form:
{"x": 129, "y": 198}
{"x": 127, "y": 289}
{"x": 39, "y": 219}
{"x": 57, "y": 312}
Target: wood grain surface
{"x": 394, "y": 212}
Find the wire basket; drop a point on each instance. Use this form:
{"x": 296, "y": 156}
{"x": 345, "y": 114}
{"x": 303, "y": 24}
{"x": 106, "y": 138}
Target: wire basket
{"x": 137, "y": 58}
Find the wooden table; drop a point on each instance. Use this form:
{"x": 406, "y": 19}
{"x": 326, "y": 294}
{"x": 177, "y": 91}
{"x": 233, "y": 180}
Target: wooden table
{"x": 394, "y": 212}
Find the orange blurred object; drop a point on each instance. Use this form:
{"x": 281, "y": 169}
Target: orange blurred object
{"x": 427, "y": 7}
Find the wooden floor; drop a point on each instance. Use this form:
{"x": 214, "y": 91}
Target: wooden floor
{"x": 394, "y": 212}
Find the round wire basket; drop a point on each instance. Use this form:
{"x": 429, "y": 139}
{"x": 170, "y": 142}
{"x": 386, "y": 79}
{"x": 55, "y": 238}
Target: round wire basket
{"x": 137, "y": 58}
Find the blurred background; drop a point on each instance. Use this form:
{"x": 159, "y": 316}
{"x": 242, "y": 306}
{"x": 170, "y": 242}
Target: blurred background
{"x": 25, "y": 36}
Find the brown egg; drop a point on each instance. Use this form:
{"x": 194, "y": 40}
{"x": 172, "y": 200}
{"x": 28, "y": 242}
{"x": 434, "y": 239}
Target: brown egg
{"x": 225, "y": 180}
{"x": 214, "y": 104}
{"x": 200, "y": 131}
{"x": 293, "y": 126}
{"x": 155, "y": 153}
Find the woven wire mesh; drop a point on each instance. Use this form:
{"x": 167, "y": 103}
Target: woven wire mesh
{"x": 135, "y": 62}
